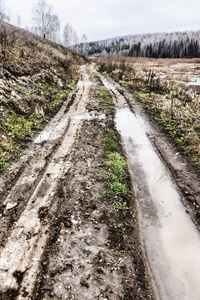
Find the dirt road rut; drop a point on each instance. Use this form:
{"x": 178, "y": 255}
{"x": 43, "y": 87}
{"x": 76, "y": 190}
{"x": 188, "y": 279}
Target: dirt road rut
{"x": 55, "y": 236}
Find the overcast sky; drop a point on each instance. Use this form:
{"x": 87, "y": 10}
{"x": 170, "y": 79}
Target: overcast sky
{"x": 101, "y": 19}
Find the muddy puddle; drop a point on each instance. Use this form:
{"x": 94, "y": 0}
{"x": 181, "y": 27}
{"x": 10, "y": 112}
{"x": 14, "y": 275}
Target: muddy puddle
{"x": 170, "y": 238}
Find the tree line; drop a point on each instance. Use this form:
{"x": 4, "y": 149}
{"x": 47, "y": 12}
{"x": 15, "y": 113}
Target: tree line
{"x": 174, "y": 49}
{"x": 157, "y": 45}
{"x": 47, "y": 25}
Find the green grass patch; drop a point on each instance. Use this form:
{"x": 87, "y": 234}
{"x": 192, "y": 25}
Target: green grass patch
{"x": 19, "y": 128}
{"x": 25, "y": 91}
{"x": 6, "y": 155}
{"x": 118, "y": 188}
{"x": 116, "y": 174}
{"x": 95, "y": 75}
{"x": 110, "y": 142}
{"x": 107, "y": 100}
{"x": 116, "y": 164}
{"x": 59, "y": 98}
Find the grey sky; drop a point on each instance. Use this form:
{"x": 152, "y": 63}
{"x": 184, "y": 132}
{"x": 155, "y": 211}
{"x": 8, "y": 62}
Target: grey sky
{"x": 100, "y": 19}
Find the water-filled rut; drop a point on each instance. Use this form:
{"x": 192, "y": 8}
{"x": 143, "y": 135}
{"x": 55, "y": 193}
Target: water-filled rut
{"x": 170, "y": 237}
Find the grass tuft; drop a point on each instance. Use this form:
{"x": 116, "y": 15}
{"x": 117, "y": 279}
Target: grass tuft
{"x": 107, "y": 100}
{"x": 110, "y": 142}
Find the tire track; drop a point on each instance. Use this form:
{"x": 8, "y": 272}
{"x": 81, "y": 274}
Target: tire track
{"x": 20, "y": 258}
{"x": 33, "y": 166}
{"x": 89, "y": 255}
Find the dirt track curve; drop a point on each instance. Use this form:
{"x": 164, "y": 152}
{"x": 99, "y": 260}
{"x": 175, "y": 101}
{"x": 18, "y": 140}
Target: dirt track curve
{"x": 55, "y": 239}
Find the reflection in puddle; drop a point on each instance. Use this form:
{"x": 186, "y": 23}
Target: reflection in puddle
{"x": 172, "y": 241}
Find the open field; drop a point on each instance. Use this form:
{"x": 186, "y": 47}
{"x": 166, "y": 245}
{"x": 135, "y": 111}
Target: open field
{"x": 169, "y": 90}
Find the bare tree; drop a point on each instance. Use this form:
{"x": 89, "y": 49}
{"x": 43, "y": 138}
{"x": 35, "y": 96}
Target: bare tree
{"x": 18, "y": 21}
{"x": 47, "y": 24}
{"x": 75, "y": 40}
{"x": 3, "y": 16}
{"x": 85, "y": 44}
{"x": 70, "y": 37}
{"x": 67, "y": 35}
{"x": 54, "y": 34}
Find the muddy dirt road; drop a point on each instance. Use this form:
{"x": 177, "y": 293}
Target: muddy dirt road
{"x": 60, "y": 238}
{"x": 170, "y": 237}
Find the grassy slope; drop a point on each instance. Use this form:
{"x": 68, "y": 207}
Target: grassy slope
{"x": 36, "y": 76}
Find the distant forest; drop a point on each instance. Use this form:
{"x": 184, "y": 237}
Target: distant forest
{"x": 159, "y": 45}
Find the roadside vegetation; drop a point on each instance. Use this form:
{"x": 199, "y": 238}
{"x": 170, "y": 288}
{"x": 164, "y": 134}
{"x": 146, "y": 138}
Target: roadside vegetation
{"x": 36, "y": 76}
{"x": 117, "y": 172}
{"x": 122, "y": 222}
{"x": 166, "y": 90}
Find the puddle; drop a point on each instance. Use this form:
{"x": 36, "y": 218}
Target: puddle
{"x": 170, "y": 237}
{"x": 83, "y": 83}
{"x": 88, "y": 116}
{"x": 58, "y": 125}
{"x": 53, "y": 131}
